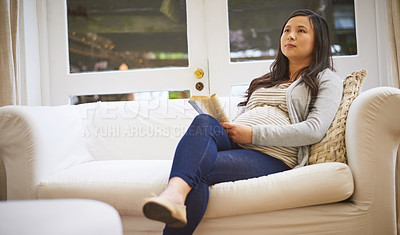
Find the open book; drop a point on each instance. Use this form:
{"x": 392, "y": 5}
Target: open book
{"x": 209, "y": 105}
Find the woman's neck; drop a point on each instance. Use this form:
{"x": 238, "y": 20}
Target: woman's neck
{"x": 294, "y": 69}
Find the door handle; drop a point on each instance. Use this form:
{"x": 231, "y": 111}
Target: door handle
{"x": 199, "y": 73}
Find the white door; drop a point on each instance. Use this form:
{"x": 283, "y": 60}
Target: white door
{"x": 68, "y": 80}
{"x": 213, "y": 27}
{"x": 223, "y": 69}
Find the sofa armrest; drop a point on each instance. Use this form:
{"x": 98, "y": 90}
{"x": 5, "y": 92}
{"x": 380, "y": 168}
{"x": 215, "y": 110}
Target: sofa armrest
{"x": 36, "y": 142}
{"x": 372, "y": 141}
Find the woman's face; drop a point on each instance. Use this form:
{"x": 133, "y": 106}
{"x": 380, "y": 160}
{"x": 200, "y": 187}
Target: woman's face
{"x": 297, "y": 40}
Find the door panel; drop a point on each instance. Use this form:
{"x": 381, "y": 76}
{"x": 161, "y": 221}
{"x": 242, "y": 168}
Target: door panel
{"x": 225, "y": 69}
{"x": 104, "y": 76}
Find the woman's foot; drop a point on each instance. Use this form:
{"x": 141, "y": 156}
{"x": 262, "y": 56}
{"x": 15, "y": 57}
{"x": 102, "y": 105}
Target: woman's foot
{"x": 164, "y": 210}
{"x": 169, "y": 206}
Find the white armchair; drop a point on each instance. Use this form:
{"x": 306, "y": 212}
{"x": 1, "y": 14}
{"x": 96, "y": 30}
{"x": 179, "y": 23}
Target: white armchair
{"x": 120, "y": 152}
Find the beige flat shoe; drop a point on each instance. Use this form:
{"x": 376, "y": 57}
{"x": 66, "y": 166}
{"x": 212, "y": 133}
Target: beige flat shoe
{"x": 162, "y": 209}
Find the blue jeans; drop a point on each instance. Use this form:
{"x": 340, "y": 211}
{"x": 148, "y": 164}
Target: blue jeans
{"x": 205, "y": 156}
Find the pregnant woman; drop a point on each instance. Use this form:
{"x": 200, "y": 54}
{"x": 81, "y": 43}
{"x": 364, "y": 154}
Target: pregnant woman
{"x": 286, "y": 110}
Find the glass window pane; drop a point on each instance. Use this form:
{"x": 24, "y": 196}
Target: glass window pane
{"x": 255, "y": 25}
{"x": 126, "y": 34}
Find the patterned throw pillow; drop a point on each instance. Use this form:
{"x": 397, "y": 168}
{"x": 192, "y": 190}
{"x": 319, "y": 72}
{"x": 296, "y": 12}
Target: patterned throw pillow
{"x": 332, "y": 147}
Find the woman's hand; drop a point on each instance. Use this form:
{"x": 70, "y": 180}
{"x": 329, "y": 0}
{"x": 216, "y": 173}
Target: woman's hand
{"x": 240, "y": 134}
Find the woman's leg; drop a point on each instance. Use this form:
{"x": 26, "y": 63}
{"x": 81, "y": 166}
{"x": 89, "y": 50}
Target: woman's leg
{"x": 198, "y": 149}
{"x": 194, "y": 157}
{"x": 230, "y": 165}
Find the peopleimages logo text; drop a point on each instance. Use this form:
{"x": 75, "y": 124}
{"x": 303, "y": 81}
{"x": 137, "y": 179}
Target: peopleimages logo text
{"x": 139, "y": 109}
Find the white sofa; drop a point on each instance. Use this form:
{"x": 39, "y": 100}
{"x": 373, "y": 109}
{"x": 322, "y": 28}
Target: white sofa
{"x": 120, "y": 153}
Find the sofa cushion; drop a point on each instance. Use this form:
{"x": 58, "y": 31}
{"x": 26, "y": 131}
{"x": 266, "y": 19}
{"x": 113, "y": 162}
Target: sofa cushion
{"x": 121, "y": 183}
{"x": 299, "y": 187}
{"x": 135, "y": 129}
{"x": 125, "y": 183}
{"x": 332, "y": 147}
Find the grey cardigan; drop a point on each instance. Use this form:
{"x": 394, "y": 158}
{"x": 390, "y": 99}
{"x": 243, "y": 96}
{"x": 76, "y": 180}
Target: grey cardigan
{"x": 307, "y": 128}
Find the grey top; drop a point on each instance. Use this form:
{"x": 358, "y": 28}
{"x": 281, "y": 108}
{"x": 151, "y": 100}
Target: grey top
{"x": 306, "y": 127}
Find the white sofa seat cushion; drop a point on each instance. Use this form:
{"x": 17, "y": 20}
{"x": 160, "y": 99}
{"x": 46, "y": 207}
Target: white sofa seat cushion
{"x": 310, "y": 185}
{"x": 125, "y": 183}
{"x": 121, "y": 183}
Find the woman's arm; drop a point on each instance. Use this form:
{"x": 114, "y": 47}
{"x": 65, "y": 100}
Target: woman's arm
{"x": 316, "y": 124}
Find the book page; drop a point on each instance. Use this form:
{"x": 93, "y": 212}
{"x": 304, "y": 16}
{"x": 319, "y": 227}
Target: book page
{"x": 218, "y": 111}
{"x": 212, "y": 106}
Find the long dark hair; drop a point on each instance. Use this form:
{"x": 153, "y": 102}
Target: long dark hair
{"x": 322, "y": 59}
